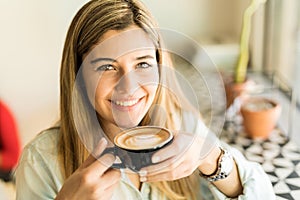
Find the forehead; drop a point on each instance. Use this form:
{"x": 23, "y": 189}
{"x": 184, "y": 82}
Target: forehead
{"x": 116, "y": 43}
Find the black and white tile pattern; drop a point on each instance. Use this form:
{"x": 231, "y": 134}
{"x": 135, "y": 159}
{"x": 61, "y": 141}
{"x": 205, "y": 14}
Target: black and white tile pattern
{"x": 279, "y": 157}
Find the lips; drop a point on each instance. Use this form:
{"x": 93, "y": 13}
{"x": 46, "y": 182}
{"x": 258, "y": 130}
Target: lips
{"x": 126, "y": 103}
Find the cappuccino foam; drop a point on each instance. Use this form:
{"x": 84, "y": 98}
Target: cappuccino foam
{"x": 143, "y": 138}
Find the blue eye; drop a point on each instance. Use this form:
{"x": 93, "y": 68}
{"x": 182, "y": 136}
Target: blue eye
{"x": 106, "y": 67}
{"x": 144, "y": 65}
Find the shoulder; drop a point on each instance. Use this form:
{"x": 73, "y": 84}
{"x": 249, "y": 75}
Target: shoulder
{"x": 38, "y": 174}
{"x": 40, "y": 157}
{"x": 45, "y": 144}
{"x": 46, "y": 139}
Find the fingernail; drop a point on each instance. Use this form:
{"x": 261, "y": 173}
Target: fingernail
{"x": 155, "y": 159}
{"x": 103, "y": 141}
{"x": 143, "y": 178}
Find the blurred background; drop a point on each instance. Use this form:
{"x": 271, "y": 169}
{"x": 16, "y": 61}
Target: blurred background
{"x": 33, "y": 33}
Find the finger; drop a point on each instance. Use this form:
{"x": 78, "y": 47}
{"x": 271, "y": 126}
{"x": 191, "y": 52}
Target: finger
{"x": 108, "y": 193}
{"x": 112, "y": 187}
{"x": 97, "y": 151}
{"x": 162, "y": 167}
{"x": 113, "y": 176}
{"x": 110, "y": 178}
{"x": 102, "y": 164}
{"x": 172, "y": 174}
{"x": 164, "y": 154}
{"x": 102, "y": 188}
{"x": 181, "y": 143}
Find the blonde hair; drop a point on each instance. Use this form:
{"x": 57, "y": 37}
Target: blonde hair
{"x": 89, "y": 24}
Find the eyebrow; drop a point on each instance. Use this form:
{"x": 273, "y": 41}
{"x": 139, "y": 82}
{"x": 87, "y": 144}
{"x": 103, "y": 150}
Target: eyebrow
{"x": 113, "y": 60}
{"x": 145, "y": 57}
{"x": 102, "y": 59}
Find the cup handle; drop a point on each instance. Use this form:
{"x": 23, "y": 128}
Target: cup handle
{"x": 113, "y": 151}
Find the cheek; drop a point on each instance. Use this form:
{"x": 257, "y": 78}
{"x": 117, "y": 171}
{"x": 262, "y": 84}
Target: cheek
{"x": 151, "y": 89}
{"x": 90, "y": 90}
{"x": 97, "y": 90}
{"x": 150, "y": 82}
{"x": 102, "y": 91}
{"x": 90, "y": 83}
{"x": 154, "y": 83}
{"x": 150, "y": 77}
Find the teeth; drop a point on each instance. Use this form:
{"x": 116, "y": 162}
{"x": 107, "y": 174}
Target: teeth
{"x": 126, "y": 103}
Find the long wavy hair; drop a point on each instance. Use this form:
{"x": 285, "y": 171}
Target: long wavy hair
{"x": 89, "y": 24}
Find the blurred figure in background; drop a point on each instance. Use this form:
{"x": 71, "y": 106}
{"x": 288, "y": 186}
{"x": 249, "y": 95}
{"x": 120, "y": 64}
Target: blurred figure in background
{"x": 9, "y": 142}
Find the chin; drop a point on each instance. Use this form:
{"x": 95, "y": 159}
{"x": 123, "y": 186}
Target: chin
{"x": 126, "y": 125}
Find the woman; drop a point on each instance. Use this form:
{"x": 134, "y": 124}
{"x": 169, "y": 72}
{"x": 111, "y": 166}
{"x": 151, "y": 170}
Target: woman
{"x": 112, "y": 76}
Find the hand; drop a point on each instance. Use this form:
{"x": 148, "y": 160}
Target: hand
{"x": 180, "y": 159}
{"x": 93, "y": 179}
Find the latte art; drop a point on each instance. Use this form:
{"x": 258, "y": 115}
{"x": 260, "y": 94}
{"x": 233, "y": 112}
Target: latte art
{"x": 143, "y": 138}
{"x": 136, "y": 142}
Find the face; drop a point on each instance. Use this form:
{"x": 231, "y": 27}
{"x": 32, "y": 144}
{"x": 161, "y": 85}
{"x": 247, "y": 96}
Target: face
{"x": 121, "y": 77}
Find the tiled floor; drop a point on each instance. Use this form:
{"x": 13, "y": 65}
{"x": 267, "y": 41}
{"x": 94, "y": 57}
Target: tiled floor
{"x": 279, "y": 157}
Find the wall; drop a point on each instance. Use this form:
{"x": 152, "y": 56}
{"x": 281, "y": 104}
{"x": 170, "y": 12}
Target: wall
{"x": 282, "y": 25}
{"x": 214, "y": 24}
{"x": 200, "y": 19}
{"x": 32, "y": 36}
{"x": 297, "y": 65}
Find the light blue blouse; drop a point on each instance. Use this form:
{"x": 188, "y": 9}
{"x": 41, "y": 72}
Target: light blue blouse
{"x": 38, "y": 175}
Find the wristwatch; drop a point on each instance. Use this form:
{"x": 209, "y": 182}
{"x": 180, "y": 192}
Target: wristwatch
{"x": 224, "y": 167}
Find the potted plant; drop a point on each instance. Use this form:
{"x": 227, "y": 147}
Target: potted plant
{"x": 260, "y": 116}
{"x": 238, "y": 83}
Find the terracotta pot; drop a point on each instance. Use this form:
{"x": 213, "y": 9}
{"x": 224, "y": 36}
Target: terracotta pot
{"x": 234, "y": 90}
{"x": 260, "y": 116}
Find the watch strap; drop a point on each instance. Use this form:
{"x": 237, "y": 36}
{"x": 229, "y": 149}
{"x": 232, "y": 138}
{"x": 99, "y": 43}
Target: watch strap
{"x": 224, "y": 167}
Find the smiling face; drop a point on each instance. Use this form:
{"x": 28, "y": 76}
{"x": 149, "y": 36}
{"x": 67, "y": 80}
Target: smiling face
{"x": 121, "y": 76}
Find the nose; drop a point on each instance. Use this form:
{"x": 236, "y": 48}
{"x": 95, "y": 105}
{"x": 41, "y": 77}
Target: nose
{"x": 128, "y": 83}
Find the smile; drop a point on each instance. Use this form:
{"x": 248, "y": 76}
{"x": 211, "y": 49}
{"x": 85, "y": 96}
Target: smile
{"x": 126, "y": 103}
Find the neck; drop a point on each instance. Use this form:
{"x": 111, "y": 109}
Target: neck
{"x": 110, "y": 130}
